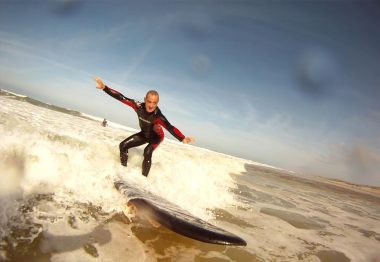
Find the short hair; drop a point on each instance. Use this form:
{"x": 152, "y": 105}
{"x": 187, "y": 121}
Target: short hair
{"x": 152, "y": 92}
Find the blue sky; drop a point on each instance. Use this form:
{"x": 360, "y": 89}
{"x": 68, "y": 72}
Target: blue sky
{"x": 293, "y": 84}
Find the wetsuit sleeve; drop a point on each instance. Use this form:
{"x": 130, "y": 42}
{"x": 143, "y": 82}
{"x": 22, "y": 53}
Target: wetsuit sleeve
{"x": 119, "y": 96}
{"x": 162, "y": 121}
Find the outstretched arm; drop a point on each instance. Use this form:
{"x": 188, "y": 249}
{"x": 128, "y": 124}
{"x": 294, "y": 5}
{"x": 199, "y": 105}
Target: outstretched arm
{"x": 115, "y": 94}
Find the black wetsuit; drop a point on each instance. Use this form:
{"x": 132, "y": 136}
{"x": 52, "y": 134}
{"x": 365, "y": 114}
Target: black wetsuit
{"x": 151, "y": 131}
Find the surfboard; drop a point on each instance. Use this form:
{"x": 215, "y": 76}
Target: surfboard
{"x": 175, "y": 218}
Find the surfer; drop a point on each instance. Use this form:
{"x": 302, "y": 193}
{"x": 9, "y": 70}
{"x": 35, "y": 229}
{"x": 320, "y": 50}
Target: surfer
{"x": 151, "y": 121}
{"x": 104, "y": 123}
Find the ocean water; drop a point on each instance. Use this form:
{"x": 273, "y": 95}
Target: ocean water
{"x": 58, "y": 202}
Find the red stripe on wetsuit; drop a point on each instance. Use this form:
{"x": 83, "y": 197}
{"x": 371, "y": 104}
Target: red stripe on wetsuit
{"x": 172, "y": 129}
{"x": 121, "y": 97}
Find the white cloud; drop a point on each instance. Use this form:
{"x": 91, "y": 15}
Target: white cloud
{"x": 138, "y": 59}
{"x": 34, "y": 54}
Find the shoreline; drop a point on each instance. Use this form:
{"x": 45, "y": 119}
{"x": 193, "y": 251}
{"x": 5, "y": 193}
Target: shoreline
{"x": 365, "y": 189}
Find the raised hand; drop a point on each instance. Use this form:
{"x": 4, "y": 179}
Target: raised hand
{"x": 100, "y": 83}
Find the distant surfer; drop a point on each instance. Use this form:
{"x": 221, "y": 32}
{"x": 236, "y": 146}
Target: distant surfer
{"x": 151, "y": 121}
{"x": 104, "y": 123}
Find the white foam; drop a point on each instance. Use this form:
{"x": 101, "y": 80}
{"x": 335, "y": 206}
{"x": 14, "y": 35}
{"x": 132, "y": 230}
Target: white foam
{"x": 15, "y": 94}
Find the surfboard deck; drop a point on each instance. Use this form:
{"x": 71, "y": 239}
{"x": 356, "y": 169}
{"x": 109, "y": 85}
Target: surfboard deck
{"x": 175, "y": 218}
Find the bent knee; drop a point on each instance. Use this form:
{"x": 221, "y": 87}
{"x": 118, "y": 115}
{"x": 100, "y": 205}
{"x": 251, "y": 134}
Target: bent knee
{"x": 123, "y": 145}
{"x": 148, "y": 151}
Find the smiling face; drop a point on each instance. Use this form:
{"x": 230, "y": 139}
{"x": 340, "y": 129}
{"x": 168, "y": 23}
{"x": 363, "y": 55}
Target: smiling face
{"x": 151, "y": 101}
